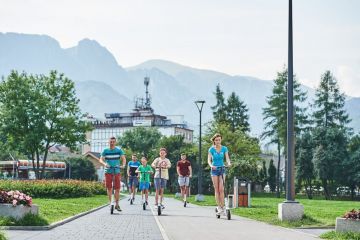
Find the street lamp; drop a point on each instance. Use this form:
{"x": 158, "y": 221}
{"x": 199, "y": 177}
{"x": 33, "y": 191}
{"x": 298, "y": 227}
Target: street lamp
{"x": 199, "y": 196}
{"x": 290, "y": 210}
{"x": 68, "y": 163}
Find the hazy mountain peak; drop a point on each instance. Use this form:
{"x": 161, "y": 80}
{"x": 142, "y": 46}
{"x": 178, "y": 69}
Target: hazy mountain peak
{"x": 175, "y": 69}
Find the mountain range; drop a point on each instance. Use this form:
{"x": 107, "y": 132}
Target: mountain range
{"x": 104, "y": 86}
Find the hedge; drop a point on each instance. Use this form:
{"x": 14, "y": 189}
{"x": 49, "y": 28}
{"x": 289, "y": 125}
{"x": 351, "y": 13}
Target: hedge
{"x": 54, "y": 188}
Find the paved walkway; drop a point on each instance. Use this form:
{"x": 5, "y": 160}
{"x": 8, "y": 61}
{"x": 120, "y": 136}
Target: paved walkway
{"x": 132, "y": 223}
{"x": 176, "y": 223}
{"x": 201, "y": 223}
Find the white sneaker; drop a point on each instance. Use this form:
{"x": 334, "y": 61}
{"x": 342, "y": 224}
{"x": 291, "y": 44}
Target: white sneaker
{"x": 218, "y": 210}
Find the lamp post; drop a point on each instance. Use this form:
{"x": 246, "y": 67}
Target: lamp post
{"x": 290, "y": 189}
{"x": 290, "y": 210}
{"x": 199, "y": 196}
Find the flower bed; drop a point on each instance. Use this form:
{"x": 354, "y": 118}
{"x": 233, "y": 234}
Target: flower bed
{"x": 16, "y": 204}
{"x": 349, "y": 223}
{"x": 15, "y": 198}
{"x": 54, "y": 188}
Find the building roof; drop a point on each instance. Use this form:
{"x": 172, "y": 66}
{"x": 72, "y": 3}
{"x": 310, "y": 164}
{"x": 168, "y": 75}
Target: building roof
{"x": 93, "y": 154}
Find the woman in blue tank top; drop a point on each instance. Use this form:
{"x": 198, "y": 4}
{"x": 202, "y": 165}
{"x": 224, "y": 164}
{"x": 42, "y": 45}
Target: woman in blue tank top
{"x": 216, "y": 156}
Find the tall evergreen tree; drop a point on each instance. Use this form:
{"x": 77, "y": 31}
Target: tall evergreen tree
{"x": 330, "y": 132}
{"x": 305, "y": 172}
{"x": 237, "y": 113}
{"x": 351, "y": 166}
{"x": 329, "y": 104}
{"x": 219, "y": 110}
{"x": 330, "y": 153}
{"x": 263, "y": 175}
{"x": 272, "y": 176}
{"x": 275, "y": 115}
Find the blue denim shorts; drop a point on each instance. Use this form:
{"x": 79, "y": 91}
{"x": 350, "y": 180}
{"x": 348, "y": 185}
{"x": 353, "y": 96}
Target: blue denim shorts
{"x": 218, "y": 171}
{"x": 160, "y": 183}
{"x": 133, "y": 181}
{"x": 144, "y": 186}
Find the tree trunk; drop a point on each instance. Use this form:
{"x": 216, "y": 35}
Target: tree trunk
{"x": 308, "y": 191}
{"x": 278, "y": 173}
{"x": 38, "y": 164}
{"x": 33, "y": 164}
{"x": 326, "y": 189}
{"x": 44, "y": 159}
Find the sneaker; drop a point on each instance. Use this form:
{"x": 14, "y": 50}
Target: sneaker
{"x": 118, "y": 208}
{"x": 162, "y": 206}
{"x": 146, "y": 202}
{"x": 217, "y": 210}
{"x": 220, "y": 210}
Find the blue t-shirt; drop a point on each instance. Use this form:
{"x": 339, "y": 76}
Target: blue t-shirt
{"x": 112, "y": 157}
{"x": 132, "y": 167}
{"x": 218, "y": 157}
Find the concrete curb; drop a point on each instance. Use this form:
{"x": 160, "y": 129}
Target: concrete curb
{"x": 53, "y": 225}
{"x": 325, "y": 227}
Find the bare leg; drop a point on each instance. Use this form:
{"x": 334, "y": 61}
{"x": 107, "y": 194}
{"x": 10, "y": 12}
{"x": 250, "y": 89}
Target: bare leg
{"x": 215, "y": 180}
{"x": 182, "y": 191}
{"x": 221, "y": 192}
{"x": 157, "y": 196}
{"x": 109, "y": 193}
{"x": 186, "y": 192}
{"x": 117, "y": 191}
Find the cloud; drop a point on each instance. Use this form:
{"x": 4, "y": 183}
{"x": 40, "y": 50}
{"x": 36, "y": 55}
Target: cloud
{"x": 349, "y": 79}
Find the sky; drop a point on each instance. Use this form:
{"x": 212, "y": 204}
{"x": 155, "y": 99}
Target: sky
{"x": 238, "y": 37}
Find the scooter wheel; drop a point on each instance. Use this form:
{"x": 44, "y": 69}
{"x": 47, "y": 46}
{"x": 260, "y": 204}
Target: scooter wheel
{"x": 159, "y": 210}
{"x": 112, "y": 209}
{"x": 144, "y": 206}
{"x": 228, "y": 214}
{"x": 185, "y": 204}
{"x": 131, "y": 202}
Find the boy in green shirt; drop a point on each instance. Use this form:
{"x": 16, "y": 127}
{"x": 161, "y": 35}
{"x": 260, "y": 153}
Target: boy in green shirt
{"x": 145, "y": 170}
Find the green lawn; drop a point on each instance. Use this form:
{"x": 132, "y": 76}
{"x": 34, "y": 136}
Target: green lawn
{"x": 341, "y": 236}
{"x": 264, "y": 208}
{"x": 53, "y": 210}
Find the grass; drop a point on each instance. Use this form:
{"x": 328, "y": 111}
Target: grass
{"x": 318, "y": 212}
{"x": 2, "y": 236}
{"x": 341, "y": 236}
{"x": 53, "y": 210}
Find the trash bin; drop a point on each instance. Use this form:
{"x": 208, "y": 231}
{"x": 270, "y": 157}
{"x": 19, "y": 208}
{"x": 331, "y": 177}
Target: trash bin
{"x": 242, "y": 192}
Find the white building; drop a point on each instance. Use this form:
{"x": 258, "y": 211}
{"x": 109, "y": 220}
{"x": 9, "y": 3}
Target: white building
{"x": 143, "y": 115}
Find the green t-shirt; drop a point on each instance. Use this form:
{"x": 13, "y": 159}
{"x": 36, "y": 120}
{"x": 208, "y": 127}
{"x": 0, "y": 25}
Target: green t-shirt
{"x": 145, "y": 177}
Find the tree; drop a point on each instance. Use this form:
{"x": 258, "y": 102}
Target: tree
{"x": 263, "y": 175}
{"x": 237, "y": 113}
{"x": 82, "y": 169}
{"x": 331, "y": 132}
{"x": 275, "y": 116}
{"x": 329, "y": 155}
{"x": 305, "y": 172}
{"x": 219, "y": 109}
{"x": 329, "y": 104}
{"x": 37, "y": 112}
{"x": 272, "y": 176}
{"x": 141, "y": 140}
{"x": 351, "y": 166}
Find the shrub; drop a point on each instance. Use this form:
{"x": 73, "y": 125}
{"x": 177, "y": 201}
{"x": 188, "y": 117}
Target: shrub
{"x": 54, "y": 188}
{"x": 353, "y": 214}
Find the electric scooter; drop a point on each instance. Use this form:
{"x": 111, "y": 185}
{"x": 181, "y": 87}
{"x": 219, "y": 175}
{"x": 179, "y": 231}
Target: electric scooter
{"x": 144, "y": 202}
{"x": 159, "y": 207}
{"x": 227, "y": 212}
